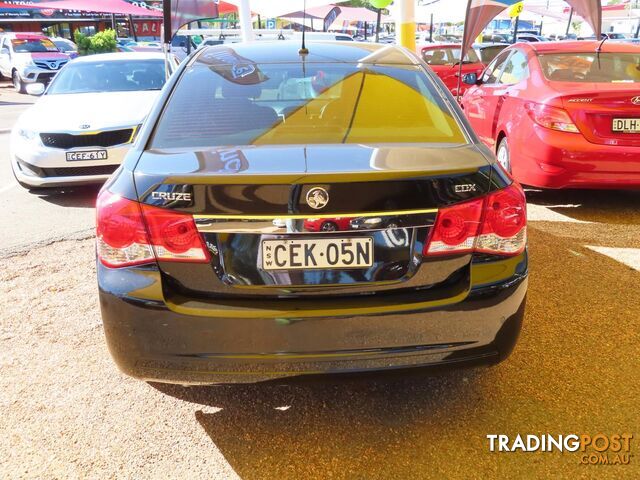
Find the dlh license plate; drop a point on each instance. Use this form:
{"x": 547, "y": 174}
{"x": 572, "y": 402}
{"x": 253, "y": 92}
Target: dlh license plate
{"x": 626, "y": 125}
{"x": 323, "y": 253}
{"x": 87, "y": 155}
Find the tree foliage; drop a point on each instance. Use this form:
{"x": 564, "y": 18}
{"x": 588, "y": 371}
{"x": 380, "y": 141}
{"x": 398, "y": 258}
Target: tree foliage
{"x": 101, "y": 42}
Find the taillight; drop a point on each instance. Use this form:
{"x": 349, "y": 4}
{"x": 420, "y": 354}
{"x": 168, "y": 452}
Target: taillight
{"x": 456, "y": 228}
{"x": 120, "y": 231}
{"x": 125, "y": 237}
{"x": 174, "y": 236}
{"x": 495, "y": 224}
{"x": 504, "y": 228}
{"x": 551, "y": 117}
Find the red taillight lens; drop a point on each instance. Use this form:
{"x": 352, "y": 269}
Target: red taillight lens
{"x": 504, "y": 229}
{"x": 456, "y": 228}
{"x": 174, "y": 236}
{"x": 551, "y": 117}
{"x": 462, "y": 228}
{"x": 125, "y": 237}
{"x": 120, "y": 231}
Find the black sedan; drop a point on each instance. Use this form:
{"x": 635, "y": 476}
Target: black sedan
{"x": 206, "y": 272}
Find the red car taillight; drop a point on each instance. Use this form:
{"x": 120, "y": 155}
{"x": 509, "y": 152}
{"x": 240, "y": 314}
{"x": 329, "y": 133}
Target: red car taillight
{"x": 551, "y": 117}
{"x": 456, "y": 228}
{"x": 496, "y": 224}
{"x": 125, "y": 237}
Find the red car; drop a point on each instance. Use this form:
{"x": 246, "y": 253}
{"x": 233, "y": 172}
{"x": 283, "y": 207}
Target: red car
{"x": 444, "y": 60}
{"x": 327, "y": 224}
{"x": 562, "y": 114}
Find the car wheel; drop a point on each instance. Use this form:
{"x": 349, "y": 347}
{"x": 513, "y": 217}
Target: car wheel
{"x": 18, "y": 84}
{"x": 503, "y": 155}
{"x": 329, "y": 227}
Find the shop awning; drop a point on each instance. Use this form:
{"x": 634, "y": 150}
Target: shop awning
{"x": 119, "y": 7}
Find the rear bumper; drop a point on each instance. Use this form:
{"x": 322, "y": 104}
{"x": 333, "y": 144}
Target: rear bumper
{"x": 150, "y": 340}
{"x": 550, "y": 159}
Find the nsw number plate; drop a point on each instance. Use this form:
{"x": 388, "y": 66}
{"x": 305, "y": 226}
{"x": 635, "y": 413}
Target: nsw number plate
{"x": 323, "y": 253}
{"x": 87, "y": 155}
{"x": 626, "y": 125}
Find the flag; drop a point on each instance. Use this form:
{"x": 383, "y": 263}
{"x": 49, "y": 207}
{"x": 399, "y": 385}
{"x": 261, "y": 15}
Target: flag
{"x": 178, "y": 13}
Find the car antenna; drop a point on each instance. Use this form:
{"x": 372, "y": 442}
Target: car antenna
{"x": 303, "y": 49}
{"x": 599, "y": 49}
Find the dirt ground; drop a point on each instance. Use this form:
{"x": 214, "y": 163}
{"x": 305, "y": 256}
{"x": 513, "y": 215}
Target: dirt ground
{"x": 66, "y": 412}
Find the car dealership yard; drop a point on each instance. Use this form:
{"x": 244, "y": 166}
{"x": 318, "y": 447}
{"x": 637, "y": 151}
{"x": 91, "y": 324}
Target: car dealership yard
{"x": 67, "y": 412}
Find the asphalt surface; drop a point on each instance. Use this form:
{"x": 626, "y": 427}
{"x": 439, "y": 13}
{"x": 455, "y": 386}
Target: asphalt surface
{"x": 41, "y": 217}
{"x": 66, "y": 412}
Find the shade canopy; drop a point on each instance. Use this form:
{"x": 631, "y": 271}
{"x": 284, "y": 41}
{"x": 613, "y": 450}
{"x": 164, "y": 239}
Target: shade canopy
{"x": 481, "y": 12}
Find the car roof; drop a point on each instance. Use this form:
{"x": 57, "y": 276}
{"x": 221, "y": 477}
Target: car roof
{"x": 582, "y": 46}
{"x": 287, "y": 51}
{"x": 112, "y": 57}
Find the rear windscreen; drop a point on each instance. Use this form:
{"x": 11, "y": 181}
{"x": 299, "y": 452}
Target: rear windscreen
{"x": 242, "y": 103}
{"x": 590, "y": 67}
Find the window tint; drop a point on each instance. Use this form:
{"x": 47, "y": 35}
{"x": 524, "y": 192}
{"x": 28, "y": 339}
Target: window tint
{"x": 516, "y": 69}
{"x": 492, "y": 72}
{"x": 243, "y": 103}
{"x": 25, "y": 45}
{"x": 112, "y": 76}
{"x": 489, "y": 53}
{"x": 448, "y": 56}
{"x": 608, "y": 67}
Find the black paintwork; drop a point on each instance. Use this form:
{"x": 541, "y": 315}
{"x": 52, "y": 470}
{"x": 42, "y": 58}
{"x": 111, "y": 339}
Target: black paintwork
{"x": 229, "y": 321}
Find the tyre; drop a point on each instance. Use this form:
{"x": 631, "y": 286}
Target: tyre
{"x": 329, "y": 227}
{"x": 503, "y": 155}
{"x": 18, "y": 84}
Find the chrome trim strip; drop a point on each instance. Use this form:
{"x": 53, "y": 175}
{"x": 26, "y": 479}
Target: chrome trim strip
{"x": 314, "y": 224}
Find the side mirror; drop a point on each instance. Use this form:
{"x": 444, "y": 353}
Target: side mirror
{"x": 4, "y": 51}
{"x": 470, "y": 79}
{"x": 182, "y": 44}
{"x": 35, "y": 89}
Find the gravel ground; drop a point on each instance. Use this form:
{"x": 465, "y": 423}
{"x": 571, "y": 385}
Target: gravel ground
{"x": 68, "y": 413}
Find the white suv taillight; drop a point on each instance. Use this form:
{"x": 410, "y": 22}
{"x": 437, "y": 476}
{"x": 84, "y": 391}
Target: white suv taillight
{"x": 129, "y": 233}
{"x": 496, "y": 224}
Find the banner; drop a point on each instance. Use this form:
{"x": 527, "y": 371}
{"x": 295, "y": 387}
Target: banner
{"x": 330, "y": 18}
{"x": 178, "y": 13}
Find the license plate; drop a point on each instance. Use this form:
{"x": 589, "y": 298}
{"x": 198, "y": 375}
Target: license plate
{"x": 326, "y": 253}
{"x": 626, "y": 125}
{"x": 87, "y": 155}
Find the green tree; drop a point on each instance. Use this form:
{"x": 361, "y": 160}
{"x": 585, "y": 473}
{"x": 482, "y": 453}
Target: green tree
{"x": 101, "y": 42}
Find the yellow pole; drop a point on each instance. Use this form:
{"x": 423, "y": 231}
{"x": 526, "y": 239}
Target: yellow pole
{"x": 406, "y": 24}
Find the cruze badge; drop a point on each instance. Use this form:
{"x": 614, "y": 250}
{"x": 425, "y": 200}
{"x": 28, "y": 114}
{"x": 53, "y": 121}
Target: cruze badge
{"x": 171, "y": 196}
{"x": 469, "y": 187}
{"x": 317, "y": 198}
{"x": 85, "y": 126}
{"x": 636, "y": 100}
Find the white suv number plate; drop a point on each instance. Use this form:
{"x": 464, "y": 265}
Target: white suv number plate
{"x": 326, "y": 253}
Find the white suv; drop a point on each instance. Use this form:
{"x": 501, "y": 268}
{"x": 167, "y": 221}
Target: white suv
{"x": 29, "y": 58}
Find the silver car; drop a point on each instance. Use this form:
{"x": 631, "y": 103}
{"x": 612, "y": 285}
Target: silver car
{"x": 84, "y": 124}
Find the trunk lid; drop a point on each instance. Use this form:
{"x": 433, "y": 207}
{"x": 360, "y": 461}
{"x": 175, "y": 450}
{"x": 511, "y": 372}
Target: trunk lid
{"x": 245, "y": 200}
{"x": 600, "y": 110}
